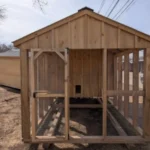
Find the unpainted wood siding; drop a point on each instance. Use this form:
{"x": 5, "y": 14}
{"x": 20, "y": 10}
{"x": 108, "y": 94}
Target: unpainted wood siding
{"x": 87, "y": 32}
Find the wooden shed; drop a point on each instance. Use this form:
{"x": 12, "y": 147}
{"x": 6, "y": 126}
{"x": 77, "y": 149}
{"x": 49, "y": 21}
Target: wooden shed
{"x": 81, "y": 57}
{"x": 10, "y": 69}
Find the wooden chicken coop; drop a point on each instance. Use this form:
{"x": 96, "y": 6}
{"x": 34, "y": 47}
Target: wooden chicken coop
{"x": 81, "y": 57}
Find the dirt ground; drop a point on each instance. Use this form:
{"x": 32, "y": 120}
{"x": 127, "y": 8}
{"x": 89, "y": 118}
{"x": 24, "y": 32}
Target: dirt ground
{"x": 10, "y": 127}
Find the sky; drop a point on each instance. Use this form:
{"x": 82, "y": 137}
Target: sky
{"x": 23, "y": 17}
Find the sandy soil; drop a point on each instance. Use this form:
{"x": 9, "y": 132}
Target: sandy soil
{"x": 10, "y": 127}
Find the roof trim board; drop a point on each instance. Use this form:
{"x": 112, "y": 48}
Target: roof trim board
{"x": 76, "y": 16}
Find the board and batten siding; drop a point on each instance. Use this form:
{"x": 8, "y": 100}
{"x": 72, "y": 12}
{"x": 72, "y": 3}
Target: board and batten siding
{"x": 87, "y": 32}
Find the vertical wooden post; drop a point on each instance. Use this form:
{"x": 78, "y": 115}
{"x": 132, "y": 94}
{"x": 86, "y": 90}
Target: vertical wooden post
{"x": 118, "y": 41}
{"x": 66, "y": 95}
{"x": 25, "y": 101}
{"x": 146, "y": 115}
{"x": 103, "y": 35}
{"x": 119, "y": 81}
{"x": 135, "y": 86}
{"x": 104, "y": 92}
{"x": 34, "y": 102}
{"x": 115, "y": 80}
{"x": 126, "y": 83}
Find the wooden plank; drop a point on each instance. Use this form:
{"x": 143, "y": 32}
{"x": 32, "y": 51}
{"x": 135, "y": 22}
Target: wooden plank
{"x": 69, "y": 35}
{"x": 108, "y": 139}
{"x": 104, "y": 93}
{"x": 38, "y": 95}
{"x": 41, "y": 81}
{"x": 80, "y": 105}
{"x": 38, "y": 54}
{"x": 86, "y": 73}
{"x": 91, "y": 139}
{"x": 66, "y": 86}
{"x": 60, "y": 55}
{"x": 50, "y": 27}
{"x": 86, "y": 19}
{"x": 116, "y": 125}
{"x": 119, "y": 81}
{"x": 50, "y": 132}
{"x": 103, "y": 35}
{"x": 25, "y": 101}
{"x": 110, "y": 71}
{"x": 135, "y": 86}
{"x": 46, "y": 81}
{"x": 115, "y": 81}
{"x": 146, "y": 122}
{"x": 124, "y": 93}
{"x": 32, "y": 89}
{"x": 126, "y": 83}
{"x": 118, "y": 25}
{"x": 118, "y": 40}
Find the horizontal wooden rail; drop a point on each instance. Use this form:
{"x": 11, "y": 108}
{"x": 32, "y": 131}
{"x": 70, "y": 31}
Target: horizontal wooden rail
{"x": 90, "y": 139}
{"x": 47, "y": 50}
{"x": 124, "y": 93}
{"x": 80, "y": 105}
{"x": 42, "y": 94}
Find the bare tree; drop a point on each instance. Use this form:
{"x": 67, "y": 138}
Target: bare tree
{"x": 5, "y": 47}
{"x": 2, "y": 12}
{"x": 40, "y": 4}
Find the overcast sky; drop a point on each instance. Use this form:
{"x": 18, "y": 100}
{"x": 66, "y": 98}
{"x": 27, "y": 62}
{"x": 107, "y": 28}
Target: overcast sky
{"x": 23, "y": 18}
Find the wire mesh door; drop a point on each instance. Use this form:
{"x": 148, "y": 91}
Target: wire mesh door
{"x": 49, "y": 77}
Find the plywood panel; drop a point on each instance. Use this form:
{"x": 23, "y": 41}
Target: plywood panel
{"x": 94, "y": 33}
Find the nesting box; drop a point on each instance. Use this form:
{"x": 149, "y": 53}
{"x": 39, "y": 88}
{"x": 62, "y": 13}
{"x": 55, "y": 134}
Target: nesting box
{"x": 85, "y": 55}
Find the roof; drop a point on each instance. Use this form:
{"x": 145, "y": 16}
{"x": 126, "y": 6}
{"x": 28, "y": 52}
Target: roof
{"x": 11, "y": 53}
{"x": 81, "y": 12}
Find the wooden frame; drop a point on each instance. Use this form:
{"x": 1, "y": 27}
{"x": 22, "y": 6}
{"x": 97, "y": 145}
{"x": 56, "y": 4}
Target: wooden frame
{"x": 105, "y": 94}
{"x": 40, "y": 94}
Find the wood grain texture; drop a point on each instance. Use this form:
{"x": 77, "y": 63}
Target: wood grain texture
{"x": 146, "y": 115}
{"x": 25, "y": 102}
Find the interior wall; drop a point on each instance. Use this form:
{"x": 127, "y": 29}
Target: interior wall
{"x": 85, "y": 71}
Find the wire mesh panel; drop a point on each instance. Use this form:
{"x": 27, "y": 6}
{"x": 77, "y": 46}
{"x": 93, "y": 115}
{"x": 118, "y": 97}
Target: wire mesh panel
{"x": 49, "y": 77}
{"x": 129, "y": 85}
